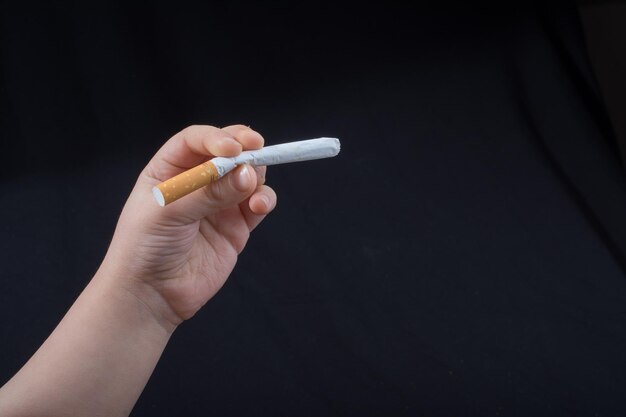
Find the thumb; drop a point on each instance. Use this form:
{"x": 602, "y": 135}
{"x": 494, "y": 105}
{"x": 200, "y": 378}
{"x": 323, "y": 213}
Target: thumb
{"x": 226, "y": 192}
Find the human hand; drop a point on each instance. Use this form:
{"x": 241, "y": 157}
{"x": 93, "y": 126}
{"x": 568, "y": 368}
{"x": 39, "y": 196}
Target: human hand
{"x": 175, "y": 258}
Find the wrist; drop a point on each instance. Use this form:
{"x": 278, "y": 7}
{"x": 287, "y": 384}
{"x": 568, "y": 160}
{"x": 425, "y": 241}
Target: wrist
{"x": 138, "y": 296}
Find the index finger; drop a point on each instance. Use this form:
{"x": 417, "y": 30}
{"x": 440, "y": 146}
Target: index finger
{"x": 249, "y": 138}
{"x": 189, "y": 148}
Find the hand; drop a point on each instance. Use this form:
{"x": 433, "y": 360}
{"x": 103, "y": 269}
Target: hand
{"x": 175, "y": 258}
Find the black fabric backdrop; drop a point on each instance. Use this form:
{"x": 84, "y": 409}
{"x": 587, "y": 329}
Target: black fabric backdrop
{"x": 464, "y": 255}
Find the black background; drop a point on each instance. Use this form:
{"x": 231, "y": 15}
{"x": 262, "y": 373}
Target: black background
{"x": 464, "y": 255}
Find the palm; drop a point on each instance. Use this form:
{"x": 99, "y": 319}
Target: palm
{"x": 197, "y": 268}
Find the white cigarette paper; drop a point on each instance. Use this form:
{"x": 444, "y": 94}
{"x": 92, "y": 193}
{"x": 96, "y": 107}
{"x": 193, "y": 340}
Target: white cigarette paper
{"x": 212, "y": 170}
{"x": 304, "y": 150}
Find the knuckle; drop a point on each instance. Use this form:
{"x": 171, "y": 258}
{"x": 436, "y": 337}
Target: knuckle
{"x": 152, "y": 171}
{"x": 198, "y": 130}
{"x": 215, "y": 192}
{"x": 187, "y": 133}
{"x": 238, "y": 127}
{"x": 190, "y": 128}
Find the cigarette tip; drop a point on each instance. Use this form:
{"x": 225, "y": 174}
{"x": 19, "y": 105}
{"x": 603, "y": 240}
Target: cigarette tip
{"x": 158, "y": 196}
{"x": 336, "y": 145}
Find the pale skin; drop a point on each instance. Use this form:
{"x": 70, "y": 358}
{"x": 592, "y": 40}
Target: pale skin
{"x": 163, "y": 265}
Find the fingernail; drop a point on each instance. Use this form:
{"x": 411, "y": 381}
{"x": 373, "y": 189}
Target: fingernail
{"x": 266, "y": 201}
{"x": 242, "y": 179}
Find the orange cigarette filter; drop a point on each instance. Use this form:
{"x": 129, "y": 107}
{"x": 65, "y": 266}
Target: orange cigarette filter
{"x": 186, "y": 182}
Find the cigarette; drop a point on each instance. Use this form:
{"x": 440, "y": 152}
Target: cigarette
{"x": 214, "y": 169}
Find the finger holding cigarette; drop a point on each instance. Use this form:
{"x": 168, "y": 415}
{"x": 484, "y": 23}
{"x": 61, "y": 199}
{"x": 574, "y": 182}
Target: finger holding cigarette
{"x": 210, "y": 171}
